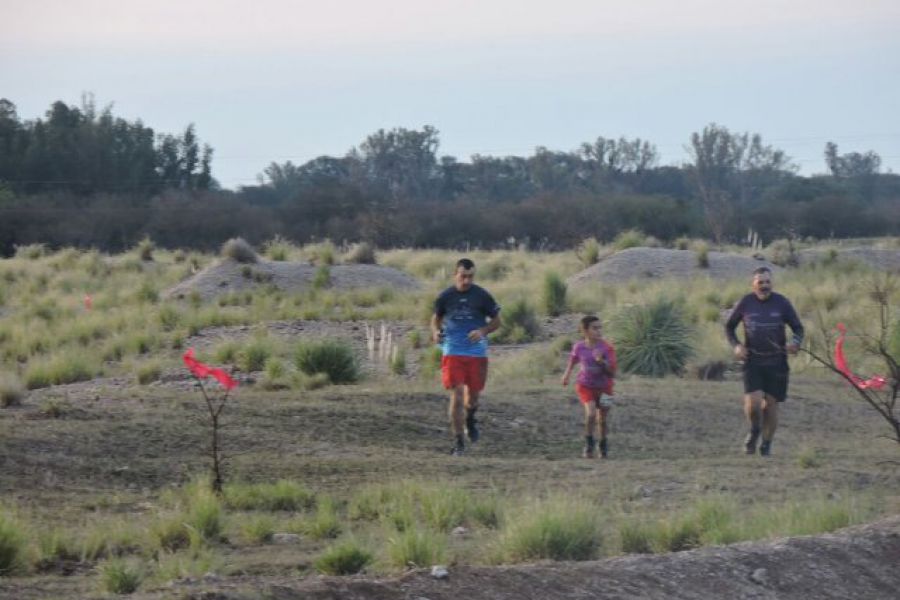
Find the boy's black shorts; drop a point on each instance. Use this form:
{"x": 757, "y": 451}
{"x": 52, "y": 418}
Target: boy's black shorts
{"x": 772, "y": 380}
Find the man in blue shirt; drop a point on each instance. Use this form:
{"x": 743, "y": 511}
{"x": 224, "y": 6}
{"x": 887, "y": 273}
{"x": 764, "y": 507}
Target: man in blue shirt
{"x": 764, "y": 314}
{"x": 464, "y": 315}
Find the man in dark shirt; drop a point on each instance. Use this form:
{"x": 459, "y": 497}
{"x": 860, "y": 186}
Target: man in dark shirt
{"x": 764, "y": 352}
{"x": 464, "y": 315}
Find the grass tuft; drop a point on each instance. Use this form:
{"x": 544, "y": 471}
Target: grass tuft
{"x": 345, "y": 558}
{"x": 336, "y": 359}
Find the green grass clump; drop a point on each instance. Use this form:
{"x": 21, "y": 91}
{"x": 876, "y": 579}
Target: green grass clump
{"x": 809, "y": 458}
{"x": 589, "y": 252}
{"x": 253, "y": 356}
{"x": 630, "y": 238}
{"x": 11, "y": 390}
{"x": 322, "y": 277}
{"x": 58, "y": 370}
{"x": 258, "y": 529}
{"x": 518, "y": 323}
{"x": 237, "y": 249}
{"x": 205, "y": 517}
{"x": 702, "y": 250}
{"x": 13, "y": 544}
{"x": 281, "y": 495}
{"x": 145, "y": 249}
{"x": 119, "y": 576}
{"x": 169, "y": 532}
{"x": 554, "y": 529}
{"x": 554, "y": 294}
{"x": 417, "y": 548}
{"x": 336, "y": 359}
{"x": 345, "y": 558}
{"x": 278, "y": 248}
{"x": 362, "y": 253}
{"x": 325, "y": 524}
{"x": 148, "y": 372}
{"x": 652, "y": 339}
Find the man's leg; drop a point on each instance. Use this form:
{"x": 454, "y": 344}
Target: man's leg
{"x": 753, "y": 403}
{"x": 457, "y": 416}
{"x": 769, "y": 423}
{"x": 471, "y": 405}
{"x": 590, "y": 425}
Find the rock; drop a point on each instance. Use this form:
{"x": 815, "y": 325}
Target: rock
{"x": 285, "y": 538}
{"x": 211, "y": 578}
{"x": 460, "y": 531}
{"x": 759, "y": 576}
{"x": 439, "y": 572}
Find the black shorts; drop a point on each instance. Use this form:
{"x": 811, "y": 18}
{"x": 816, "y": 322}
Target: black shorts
{"x": 772, "y": 380}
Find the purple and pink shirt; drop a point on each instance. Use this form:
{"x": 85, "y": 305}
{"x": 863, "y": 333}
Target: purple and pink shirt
{"x": 592, "y": 374}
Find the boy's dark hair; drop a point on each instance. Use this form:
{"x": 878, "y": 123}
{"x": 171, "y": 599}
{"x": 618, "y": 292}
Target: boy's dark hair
{"x": 466, "y": 263}
{"x": 761, "y": 270}
{"x": 587, "y": 320}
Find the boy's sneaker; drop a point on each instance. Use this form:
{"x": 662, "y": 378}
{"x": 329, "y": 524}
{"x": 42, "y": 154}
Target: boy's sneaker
{"x": 472, "y": 429}
{"x": 588, "y": 452}
{"x": 750, "y": 441}
{"x": 765, "y": 449}
{"x": 604, "y": 448}
{"x": 458, "y": 450}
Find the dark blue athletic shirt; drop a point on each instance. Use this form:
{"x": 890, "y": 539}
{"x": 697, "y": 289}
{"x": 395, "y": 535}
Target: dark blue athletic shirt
{"x": 764, "y": 322}
{"x": 463, "y": 312}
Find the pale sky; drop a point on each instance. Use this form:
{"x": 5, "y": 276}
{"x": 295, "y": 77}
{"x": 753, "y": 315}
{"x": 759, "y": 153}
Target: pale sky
{"x": 278, "y": 80}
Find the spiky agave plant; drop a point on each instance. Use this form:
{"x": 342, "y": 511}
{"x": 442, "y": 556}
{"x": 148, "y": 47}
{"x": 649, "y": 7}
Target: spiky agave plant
{"x": 652, "y": 339}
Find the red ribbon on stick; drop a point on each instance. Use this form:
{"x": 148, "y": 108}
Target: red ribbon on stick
{"x": 202, "y": 371}
{"x": 875, "y": 383}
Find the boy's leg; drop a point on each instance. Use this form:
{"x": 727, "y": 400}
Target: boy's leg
{"x": 590, "y": 425}
{"x": 471, "y": 405}
{"x": 602, "y": 413}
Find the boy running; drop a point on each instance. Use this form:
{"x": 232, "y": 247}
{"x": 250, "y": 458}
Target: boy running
{"x": 597, "y": 360}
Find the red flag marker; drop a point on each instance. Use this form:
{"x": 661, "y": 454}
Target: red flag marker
{"x": 202, "y": 371}
{"x": 876, "y": 382}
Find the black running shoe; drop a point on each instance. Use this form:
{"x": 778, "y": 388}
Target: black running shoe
{"x": 765, "y": 448}
{"x": 458, "y": 450}
{"x": 604, "y": 448}
{"x": 472, "y": 429}
{"x": 750, "y": 441}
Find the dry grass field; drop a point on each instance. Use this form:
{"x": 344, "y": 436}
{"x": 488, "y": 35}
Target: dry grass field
{"x": 102, "y": 478}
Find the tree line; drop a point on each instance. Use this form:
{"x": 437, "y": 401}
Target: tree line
{"x": 84, "y": 177}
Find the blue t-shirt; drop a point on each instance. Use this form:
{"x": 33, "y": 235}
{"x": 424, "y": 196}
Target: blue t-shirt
{"x": 463, "y": 312}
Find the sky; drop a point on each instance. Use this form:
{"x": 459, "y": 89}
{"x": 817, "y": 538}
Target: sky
{"x": 289, "y": 80}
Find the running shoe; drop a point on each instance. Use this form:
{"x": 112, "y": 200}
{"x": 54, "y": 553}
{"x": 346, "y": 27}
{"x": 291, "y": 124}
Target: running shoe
{"x": 765, "y": 448}
{"x": 472, "y": 429}
{"x": 750, "y": 441}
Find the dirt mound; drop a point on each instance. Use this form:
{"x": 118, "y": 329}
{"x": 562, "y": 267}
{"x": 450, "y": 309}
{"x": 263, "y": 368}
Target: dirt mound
{"x": 882, "y": 259}
{"x": 230, "y": 276}
{"x": 858, "y": 562}
{"x": 658, "y": 263}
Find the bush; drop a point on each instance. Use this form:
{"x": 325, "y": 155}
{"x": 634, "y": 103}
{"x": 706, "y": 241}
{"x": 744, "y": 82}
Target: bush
{"x": 278, "y": 248}
{"x": 254, "y": 355}
{"x": 31, "y": 251}
{"x": 281, "y": 495}
{"x": 322, "y": 254}
{"x": 362, "y": 253}
{"x": 554, "y": 529}
{"x": 336, "y": 359}
{"x": 325, "y": 524}
{"x": 11, "y": 390}
{"x": 148, "y": 372}
{"x": 145, "y": 249}
{"x": 120, "y": 577}
{"x": 519, "y": 323}
{"x": 240, "y": 251}
{"x": 12, "y": 545}
{"x": 636, "y": 538}
{"x": 702, "y": 250}
{"x": 258, "y": 529}
{"x": 554, "y": 297}
{"x": 345, "y": 558}
{"x": 682, "y": 243}
{"x": 322, "y": 278}
{"x": 588, "y": 252}
{"x": 416, "y": 547}
{"x": 781, "y": 253}
{"x": 652, "y": 339}
{"x": 630, "y": 238}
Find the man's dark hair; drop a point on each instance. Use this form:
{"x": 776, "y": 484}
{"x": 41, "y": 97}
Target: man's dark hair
{"x": 466, "y": 263}
{"x": 587, "y": 320}
{"x": 761, "y": 270}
